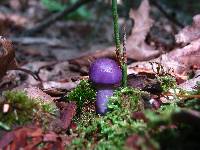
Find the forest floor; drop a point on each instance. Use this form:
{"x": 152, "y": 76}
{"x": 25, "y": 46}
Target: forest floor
{"x": 51, "y": 68}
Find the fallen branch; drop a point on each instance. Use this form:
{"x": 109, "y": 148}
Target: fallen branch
{"x": 49, "y": 21}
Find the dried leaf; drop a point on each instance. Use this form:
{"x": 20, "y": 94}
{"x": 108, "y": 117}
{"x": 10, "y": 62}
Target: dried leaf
{"x": 50, "y": 85}
{"x": 67, "y": 114}
{"x": 190, "y": 85}
{"x": 36, "y": 93}
{"x": 50, "y": 137}
{"x": 190, "y": 33}
{"x": 136, "y": 142}
{"x": 32, "y": 145}
{"x": 176, "y": 62}
{"x": 7, "y": 57}
{"x": 6, "y": 139}
{"x": 136, "y": 47}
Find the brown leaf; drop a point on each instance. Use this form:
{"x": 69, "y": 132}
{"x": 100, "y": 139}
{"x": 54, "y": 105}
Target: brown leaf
{"x": 6, "y": 139}
{"x": 178, "y": 61}
{"x": 190, "y": 85}
{"x": 50, "y": 137}
{"x": 20, "y": 138}
{"x": 36, "y": 93}
{"x": 32, "y": 145}
{"x": 7, "y": 57}
{"x": 139, "y": 115}
{"x": 136, "y": 47}
{"x": 67, "y": 114}
{"x": 136, "y": 142}
{"x": 190, "y": 33}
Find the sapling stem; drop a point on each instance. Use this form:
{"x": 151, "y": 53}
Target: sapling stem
{"x": 119, "y": 51}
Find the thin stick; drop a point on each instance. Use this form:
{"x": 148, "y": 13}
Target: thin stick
{"x": 168, "y": 16}
{"x": 34, "y": 75}
{"x": 119, "y": 50}
{"x": 124, "y": 58}
{"x": 49, "y": 21}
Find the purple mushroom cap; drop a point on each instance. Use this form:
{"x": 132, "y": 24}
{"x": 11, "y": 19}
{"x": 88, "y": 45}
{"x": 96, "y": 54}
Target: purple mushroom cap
{"x": 105, "y": 71}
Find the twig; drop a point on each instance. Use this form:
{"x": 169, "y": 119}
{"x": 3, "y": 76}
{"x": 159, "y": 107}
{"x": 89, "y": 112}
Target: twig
{"x": 120, "y": 53}
{"x": 34, "y": 75}
{"x": 49, "y": 21}
{"x": 185, "y": 97}
{"x": 168, "y": 16}
{"x": 124, "y": 58}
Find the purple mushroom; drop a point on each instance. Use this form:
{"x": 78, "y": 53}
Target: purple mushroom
{"x": 105, "y": 73}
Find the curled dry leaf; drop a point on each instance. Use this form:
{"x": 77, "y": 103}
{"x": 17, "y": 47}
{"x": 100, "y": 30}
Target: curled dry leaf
{"x": 7, "y": 57}
{"x": 17, "y": 138}
{"x": 190, "y": 33}
{"x": 179, "y": 60}
{"x": 136, "y": 47}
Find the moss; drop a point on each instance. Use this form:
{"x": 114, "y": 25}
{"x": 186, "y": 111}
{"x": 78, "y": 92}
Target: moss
{"x": 110, "y": 131}
{"x": 24, "y": 110}
{"x": 167, "y": 82}
{"x": 83, "y": 93}
{"x": 162, "y": 116}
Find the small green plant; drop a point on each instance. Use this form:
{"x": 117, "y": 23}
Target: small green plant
{"x": 56, "y": 6}
{"x": 22, "y": 109}
{"x": 84, "y": 92}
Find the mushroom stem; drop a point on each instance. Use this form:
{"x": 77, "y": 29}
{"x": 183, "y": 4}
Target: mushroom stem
{"x": 103, "y": 94}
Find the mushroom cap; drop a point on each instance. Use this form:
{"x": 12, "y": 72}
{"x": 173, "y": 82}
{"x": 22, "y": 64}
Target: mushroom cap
{"x": 105, "y": 71}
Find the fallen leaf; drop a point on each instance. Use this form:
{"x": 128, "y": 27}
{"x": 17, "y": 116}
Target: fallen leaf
{"x": 7, "y": 57}
{"x": 136, "y": 142}
{"x": 189, "y": 33}
{"x": 139, "y": 115}
{"x": 136, "y": 47}
{"x": 189, "y": 85}
{"x": 50, "y": 137}
{"x": 36, "y": 93}
{"x": 6, "y": 139}
{"x": 33, "y": 144}
{"x": 59, "y": 85}
{"x": 67, "y": 114}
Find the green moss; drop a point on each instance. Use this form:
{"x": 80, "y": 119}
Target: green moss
{"x": 167, "y": 82}
{"x": 24, "y": 110}
{"x": 111, "y": 130}
{"x": 162, "y": 116}
{"x": 83, "y": 93}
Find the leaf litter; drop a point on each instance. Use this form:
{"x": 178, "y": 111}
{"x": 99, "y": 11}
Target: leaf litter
{"x": 62, "y": 76}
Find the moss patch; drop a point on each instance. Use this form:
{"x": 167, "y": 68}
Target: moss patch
{"x": 24, "y": 110}
{"x": 83, "y": 93}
